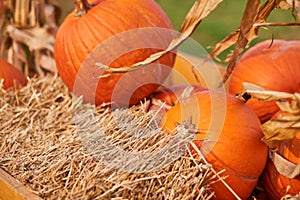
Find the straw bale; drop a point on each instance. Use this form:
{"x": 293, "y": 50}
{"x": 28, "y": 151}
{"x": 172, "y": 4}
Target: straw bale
{"x": 53, "y": 143}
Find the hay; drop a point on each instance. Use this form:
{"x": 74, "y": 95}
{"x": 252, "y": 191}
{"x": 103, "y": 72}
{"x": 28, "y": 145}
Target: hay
{"x": 53, "y": 143}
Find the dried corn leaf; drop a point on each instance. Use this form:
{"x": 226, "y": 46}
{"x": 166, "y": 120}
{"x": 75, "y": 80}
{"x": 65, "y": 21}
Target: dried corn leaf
{"x": 198, "y": 12}
{"x": 35, "y": 38}
{"x": 287, "y": 102}
{"x": 285, "y": 126}
{"x": 284, "y": 166}
{"x": 260, "y": 93}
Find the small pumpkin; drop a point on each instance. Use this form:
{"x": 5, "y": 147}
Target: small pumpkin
{"x": 80, "y": 44}
{"x": 11, "y": 75}
{"x": 229, "y": 133}
{"x": 277, "y": 184}
{"x": 272, "y": 65}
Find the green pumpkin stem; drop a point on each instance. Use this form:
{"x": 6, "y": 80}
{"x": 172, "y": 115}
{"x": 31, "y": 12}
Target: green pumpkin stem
{"x": 82, "y": 7}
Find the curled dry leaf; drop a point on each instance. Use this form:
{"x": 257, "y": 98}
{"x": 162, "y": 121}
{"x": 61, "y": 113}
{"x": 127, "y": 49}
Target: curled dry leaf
{"x": 283, "y": 128}
{"x": 286, "y": 123}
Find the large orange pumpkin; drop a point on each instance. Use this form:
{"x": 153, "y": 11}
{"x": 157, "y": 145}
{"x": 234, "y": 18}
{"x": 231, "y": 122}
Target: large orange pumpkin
{"x": 275, "y": 184}
{"x": 11, "y": 75}
{"x": 229, "y": 137}
{"x": 116, "y": 33}
{"x": 273, "y": 65}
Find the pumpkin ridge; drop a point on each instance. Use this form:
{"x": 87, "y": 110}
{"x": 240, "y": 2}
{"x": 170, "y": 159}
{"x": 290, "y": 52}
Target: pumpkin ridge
{"x": 147, "y": 17}
{"x": 101, "y": 21}
{"x": 120, "y": 19}
{"x": 107, "y": 27}
{"x": 70, "y": 58}
{"x": 70, "y": 45}
{"x": 148, "y": 14}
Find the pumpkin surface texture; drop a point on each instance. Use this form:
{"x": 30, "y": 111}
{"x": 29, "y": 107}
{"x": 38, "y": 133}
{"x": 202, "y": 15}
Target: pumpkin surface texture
{"x": 11, "y": 75}
{"x": 230, "y": 141}
{"x": 115, "y": 33}
{"x": 273, "y": 65}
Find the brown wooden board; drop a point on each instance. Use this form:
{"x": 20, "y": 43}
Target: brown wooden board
{"x": 11, "y": 189}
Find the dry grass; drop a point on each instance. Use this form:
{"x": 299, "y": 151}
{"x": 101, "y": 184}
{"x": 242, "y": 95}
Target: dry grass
{"x": 50, "y": 142}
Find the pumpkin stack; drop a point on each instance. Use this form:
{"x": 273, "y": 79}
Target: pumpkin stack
{"x": 274, "y": 66}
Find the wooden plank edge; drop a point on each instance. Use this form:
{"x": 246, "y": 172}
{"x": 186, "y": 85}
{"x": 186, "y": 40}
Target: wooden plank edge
{"x": 12, "y": 189}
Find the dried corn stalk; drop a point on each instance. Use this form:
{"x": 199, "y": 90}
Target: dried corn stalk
{"x": 27, "y": 34}
{"x": 254, "y": 17}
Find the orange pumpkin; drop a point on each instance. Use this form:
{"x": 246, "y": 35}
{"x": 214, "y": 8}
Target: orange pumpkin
{"x": 11, "y": 75}
{"x": 229, "y": 137}
{"x": 275, "y": 184}
{"x": 1, "y": 7}
{"x": 275, "y": 67}
{"x": 116, "y": 33}
{"x": 169, "y": 96}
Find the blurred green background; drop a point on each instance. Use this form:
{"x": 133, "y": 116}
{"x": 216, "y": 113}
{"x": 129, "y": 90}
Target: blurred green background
{"x": 221, "y": 22}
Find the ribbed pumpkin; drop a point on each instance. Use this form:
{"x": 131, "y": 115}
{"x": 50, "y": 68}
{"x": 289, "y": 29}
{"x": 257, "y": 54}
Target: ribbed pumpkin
{"x": 78, "y": 49}
{"x": 11, "y": 75}
{"x": 276, "y": 185}
{"x": 238, "y": 147}
{"x": 273, "y": 65}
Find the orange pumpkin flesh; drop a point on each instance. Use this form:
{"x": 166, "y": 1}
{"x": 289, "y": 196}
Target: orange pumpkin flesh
{"x": 273, "y": 68}
{"x": 78, "y": 36}
{"x": 275, "y": 184}
{"x": 238, "y": 149}
{"x": 11, "y": 75}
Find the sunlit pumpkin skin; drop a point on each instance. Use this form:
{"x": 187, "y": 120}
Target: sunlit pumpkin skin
{"x": 191, "y": 69}
{"x": 275, "y": 67}
{"x": 11, "y": 75}
{"x": 238, "y": 148}
{"x": 275, "y": 184}
{"x": 78, "y": 36}
{"x": 185, "y": 73}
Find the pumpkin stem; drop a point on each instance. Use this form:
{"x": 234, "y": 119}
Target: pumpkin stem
{"x": 82, "y": 7}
